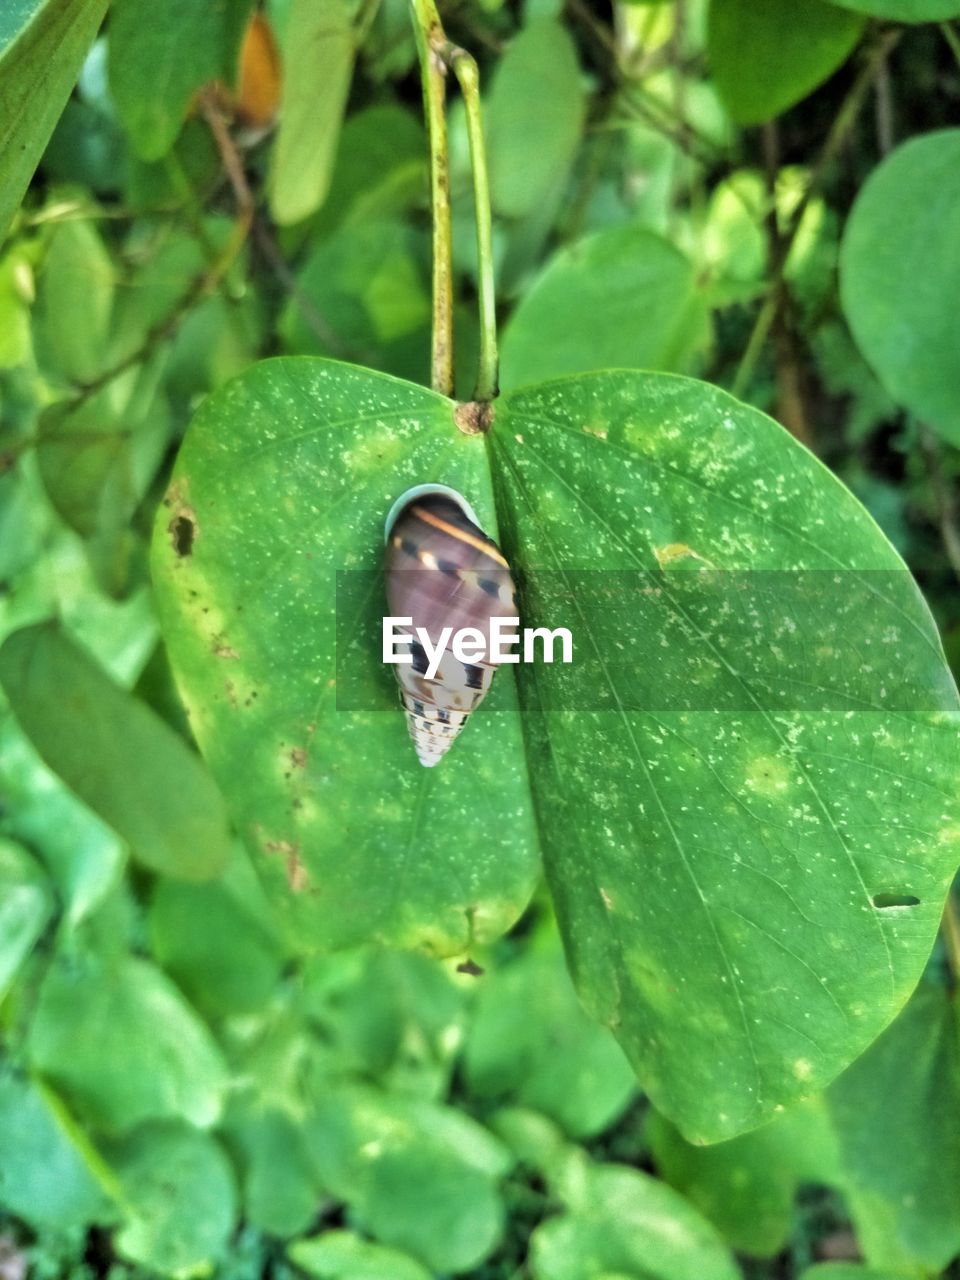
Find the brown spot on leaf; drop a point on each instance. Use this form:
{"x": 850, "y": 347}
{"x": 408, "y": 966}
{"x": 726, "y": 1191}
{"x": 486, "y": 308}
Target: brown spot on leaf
{"x": 474, "y": 417}
{"x": 298, "y": 758}
{"x": 223, "y": 650}
{"x": 471, "y": 967}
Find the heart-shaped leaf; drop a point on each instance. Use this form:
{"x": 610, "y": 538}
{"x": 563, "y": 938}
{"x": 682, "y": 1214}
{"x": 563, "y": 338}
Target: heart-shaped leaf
{"x": 744, "y": 783}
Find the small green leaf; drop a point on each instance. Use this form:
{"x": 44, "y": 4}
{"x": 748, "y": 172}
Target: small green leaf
{"x": 25, "y": 908}
{"x": 119, "y": 1041}
{"x": 341, "y": 1255}
{"x": 180, "y": 1195}
{"x": 75, "y": 299}
{"x": 115, "y": 754}
{"x": 900, "y": 275}
{"x": 420, "y": 1177}
{"x": 620, "y": 1221}
{"x": 49, "y": 1174}
{"x": 767, "y": 57}
{"x": 901, "y": 1163}
{"x": 530, "y": 1042}
{"x": 847, "y": 1271}
{"x": 318, "y": 52}
{"x": 42, "y": 47}
{"x": 623, "y": 298}
{"x": 534, "y": 117}
{"x": 281, "y": 1190}
{"x": 160, "y": 55}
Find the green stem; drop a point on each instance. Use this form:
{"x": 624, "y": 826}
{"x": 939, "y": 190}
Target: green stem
{"x": 468, "y": 77}
{"x": 952, "y": 40}
{"x": 430, "y": 37}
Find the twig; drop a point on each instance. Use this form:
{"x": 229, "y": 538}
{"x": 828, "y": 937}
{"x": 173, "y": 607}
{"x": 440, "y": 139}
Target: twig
{"x": 952, "y": 39}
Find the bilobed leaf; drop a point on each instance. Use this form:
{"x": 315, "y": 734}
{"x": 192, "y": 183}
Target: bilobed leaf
{"x": 42, "y": 47}
{"x": 744, "y": 783}
{"x": 318, "y": 50}
{"x": 905, "y": 10}
{"x": 419, "y": 1177}
{"x": 180, "y": 1198}
{"x": 534, "y": 117}
{"x": 25, "y": 907}
{"x": 50, "y": 1175}
{"x": 766, "y": 57}
{"x": 115, "y": 754}
{"x": 123, "y": 1046}
{"x": 618, "y": 1221}
{"x": 286, "y": 477}
{"x": 621, "y": 299}
{"x": 160, "y": 55}
{"x": 900, "y": 272}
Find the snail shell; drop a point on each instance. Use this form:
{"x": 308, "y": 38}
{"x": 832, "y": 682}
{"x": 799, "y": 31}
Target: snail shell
{"x": 442, "y": 571}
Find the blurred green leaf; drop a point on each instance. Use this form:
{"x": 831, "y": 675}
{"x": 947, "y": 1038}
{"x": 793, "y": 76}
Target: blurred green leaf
{"x": 118, "y": 1040}
{"x": 25, "y": 908}
{"x": 623, "y": 298}
{"x": 530, "y": 1042}
{"x": 534, "y": 117}
{"x": 160, "y": 55}
{"x": 116, "y": 754}
{"x": 220, "y": 949}
{"x": 419, "y": 1177}
{"x": 767, "y": 57}
{"x": 49, "y": 1174}
{"x": 75, "y": 301}
{"x": 900, "y": 273}
{"x": 180, "y": 1195}
{"x": 621, "y": 1222}
{"x": 905, "y": 10}
{"x": 281, "y": 1190}
{"x": 42, "y": 46}
{"x": 341, "y": 1255}
{"x": 333, "y": 801}
{"x": 901, "y": 1163}
{"x": 318, "y": 49}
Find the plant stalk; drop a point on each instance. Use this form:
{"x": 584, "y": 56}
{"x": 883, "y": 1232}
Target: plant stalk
{"x": 488, "y": 371}
{"x": 430, "y": 39}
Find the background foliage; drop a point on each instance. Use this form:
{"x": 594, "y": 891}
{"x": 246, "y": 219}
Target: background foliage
{"x": 759, "y": 193}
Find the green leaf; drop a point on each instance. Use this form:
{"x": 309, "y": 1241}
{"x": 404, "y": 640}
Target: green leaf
{"x": 533, "y": 118}
{"x": 746, "y": 1187}
{"x": 75, "y": 300}
{"x": 216, "y": 944}
{"x": 901, "y": 1164}
{"x": 767, "y": 57}
{"x": 620, "y": 1221}
{"x": 847, "y": 1271}
{"x": 624, "y": 298}
{"x": 181, "y": 1198}
{"x": 118, "y": 756}
{"x": 744, "y": 783}
{"x": 333, "y": 800}
{"x": 419, "y": 1177}
{"x": 318, "y": 52}
{"x": 341, "y": 1255}
{"x": 899, "y": 274}
{"x": 174, "y": 49}
{"x": 42, "y": 47}
{"x": 49, "y": 1174}
{"x": 530, "y": 1041}
{"x": 281, "y": 1190}
{"x": 25, "y": 908}
{"x": 119, "y": 1041}
{"x": 905, "y": 10}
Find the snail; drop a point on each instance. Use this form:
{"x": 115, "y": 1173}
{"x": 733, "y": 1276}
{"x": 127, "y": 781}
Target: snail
{"x": 443, "y": 575}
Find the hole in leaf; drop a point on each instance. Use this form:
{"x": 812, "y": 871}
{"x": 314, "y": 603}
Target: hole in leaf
{"x": 882, "y": 900}
{"x": 182, "y": 531}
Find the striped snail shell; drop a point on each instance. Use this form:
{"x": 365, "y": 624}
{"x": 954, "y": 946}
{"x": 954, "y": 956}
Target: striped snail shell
{"x": 442, "y": 571}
